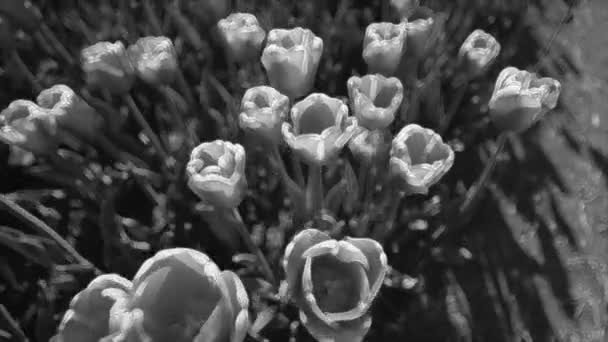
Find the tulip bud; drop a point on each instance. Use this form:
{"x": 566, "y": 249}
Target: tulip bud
{"x": 419, "y": 29}
{"x": 154, "y": 59}
{"x": 375, "y": 99}
{"x": 181, "y": 295}
{"x": 383, "y": 45}
{"x": 333, "y": 283}
{"x": 369, "y": 145}
{"x": 70, "y": 111}
{"x": 242, "y": 35}
{"x": 264, "y": 110}
{"x": 291, "y": 59}
{"x": 321, "y": 128}
{"x": 420, "y": 158}
{"x": 520, "y": 99}
{"x": 24, "y": 124}
{"x": 216, "y": 173}
{"x": 87, "y": 319}
{"x": 107, "y": 66}
{"x": 478, "y": 52}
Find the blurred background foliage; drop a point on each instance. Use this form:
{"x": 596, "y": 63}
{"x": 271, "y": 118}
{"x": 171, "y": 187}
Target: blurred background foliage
{"x": 531, "y": 265}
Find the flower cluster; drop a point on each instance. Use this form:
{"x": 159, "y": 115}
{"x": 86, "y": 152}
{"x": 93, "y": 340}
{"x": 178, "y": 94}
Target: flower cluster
{"x": 177, "y": 295}
{"x": 353, "y": 157}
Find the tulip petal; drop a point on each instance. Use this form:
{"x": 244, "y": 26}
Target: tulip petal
{"x": 240, "y": 304}
{"x": 377, "y": 262}
{"x": 293, "y": 262}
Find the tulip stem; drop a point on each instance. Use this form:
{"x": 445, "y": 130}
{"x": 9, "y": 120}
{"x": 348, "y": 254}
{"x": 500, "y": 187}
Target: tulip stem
{"x": 12, "y": 325}
{"x": 293, "y": 190}
{"x": 314, "y": 190}
{"x": 35, "y": 223}
{"x": 474, "y": 193}
{"x": 55, "y": 43}
{"x": 297, "y": 169}
{"x": 25, "y": 71}
{"x": 454, "y": 106}
{"x": 141, "y": 120}
{"x": 253, "y": 248}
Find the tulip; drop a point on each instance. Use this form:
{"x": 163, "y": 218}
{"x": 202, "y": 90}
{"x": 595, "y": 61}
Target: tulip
{"x": 154, "y": 59}
{"x": 370, "y": 145}
{"x": 216, "y": 173}
{"x": 88, "y": 318}
{"x": 30, "y": 127}
{"x": 375, "y": 99}
{"x": 520, "y": 98}
{"x": 405, "y": 7}
{"x": 333, "y": 283}
{"x": 264, "y": 110}
{"x": 107, "y": 66}
{"x": 243, "y": 36}
{"x": 181, "y": 295}
{"x": 420, "y": 158}
{"x": 383, "y": 46}
{"x": 291, "y": 59}
{"x": 321, "y": 128}
{"x": 479, "y": 51}
{"x": 70, "y": 111}
{"x": 419, "y": 29}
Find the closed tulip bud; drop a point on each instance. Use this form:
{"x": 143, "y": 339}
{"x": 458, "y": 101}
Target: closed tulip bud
{"x": 321, "y": 128}
{"x": 154, "y": 60}
{"x": 264, "y": 110}
{"x": 181, "y": 295}
{"x": 216, "y": 173}
{"x": 107, "y": 66}
{"x": 370, "y": 145}
{"x": 88, "y": 318}
{"x": 70, "y": 111}
{"x": 375, "y": 99}
{"x": 520, "y": 98}
{"x": 420, "y": 158}
{"x": 30, "y": 127}
{"x": 291, "y": 58}
{"x": 419, "y": 31}
{"x": 242, "y": 35}
{"x": 405, "y": 7}
{"x": 333, "y": 283}
{"x": 478, "y": 52}
{"x": 383, "y": 46}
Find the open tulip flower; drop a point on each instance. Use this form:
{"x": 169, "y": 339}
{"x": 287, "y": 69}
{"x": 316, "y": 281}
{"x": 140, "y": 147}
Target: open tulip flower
{"x": 383, "y": 46}
{"x": 154, "y": 59}
{"x": 291, "y": 58}
{"x": 88, "y": 318}
{"x": 243, "y": 35}
{"x": 321, "y": 128}
{"x": 419, "y": 29}
{"x": 107, "y": 66}
{"x": 333, "y": 283}
{"x": 375, "y": 99}
{"x": 30, "y": 127}
{"x": 420, "y": 158}
{"x": 520, "y": 98}
{"x": 479, "y": 51}
{"x": 181, "y": 295}
{"x": 70, "y": 111}
{"x": 216, "y": 173}
{"x": 263, "y": 111}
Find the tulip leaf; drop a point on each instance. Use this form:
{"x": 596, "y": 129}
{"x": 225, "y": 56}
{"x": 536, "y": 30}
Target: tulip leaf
{"x": 29, "y": 246}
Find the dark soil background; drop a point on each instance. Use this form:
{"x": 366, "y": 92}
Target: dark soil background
{"x": 532, "y": 265}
